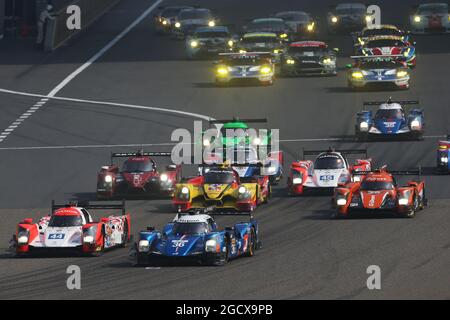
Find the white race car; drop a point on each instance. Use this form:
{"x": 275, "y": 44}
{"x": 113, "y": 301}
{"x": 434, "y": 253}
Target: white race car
{"x": 430, "y": 18}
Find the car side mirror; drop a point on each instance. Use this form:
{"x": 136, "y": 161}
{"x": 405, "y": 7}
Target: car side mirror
{"x": 348, "y": 66}
{"x": 104, "y": 220}
{"x": 27, "y": 221}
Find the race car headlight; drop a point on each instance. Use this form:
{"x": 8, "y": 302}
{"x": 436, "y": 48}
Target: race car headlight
{"x": 165, "y": 22}
{"x": 230, "y": 43}
{"x": 341, "y": 201}
{"x": 334, "y": 19}
{"x": 415, "y": 125}
{"x": 177, "y": 25}
{"x": 297, "y": 181}
{"x": 144, "y": 246}
{"x": 108, "y": 178}
{"x": 194, "y": 44}
{"x": 444, "y": 160}
{"x": 417, "y": 19}
{"x": 242, "y": 51}
{"x": 222, "y": 71}
{"x": 206, "y": 142}
{"x": 185, "y": 190}
{"x": 22, "y": 238}
{"x": 356, "y": 178}
{"x": 290, "y": 61}
{"x": 265, "y": 70}
{"x": 363, "y": 126}
{"x": 283, "y": 36}
{"x": 310, "y": 27}
{"x": 402, "y": 74}
{"x": 357, "y": 75}
{"x": 276, "y": 51}
{"x": 271, "y": 170}
{"x": 211, "y": 23}
{"x": 88, "y": 239}
{"x": 257, "y": 141}
{"x": 164, "y": 177}
{"x": 327, "y": 61}
{"x": 403, "y": 201}
{"x": 211, "y": 245}
{"x": 369, "y": 18}
{"x": 242, "y": 190}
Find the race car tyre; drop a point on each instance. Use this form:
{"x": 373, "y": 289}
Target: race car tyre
{"x": 411, "y": 213}
{"x": 142, "y": 259}
{"x": 252, "y": 244}
{"x": 125, "y": 234}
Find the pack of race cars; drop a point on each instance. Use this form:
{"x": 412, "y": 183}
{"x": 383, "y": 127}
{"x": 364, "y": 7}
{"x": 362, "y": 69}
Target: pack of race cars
{"x": 237, "y": 180}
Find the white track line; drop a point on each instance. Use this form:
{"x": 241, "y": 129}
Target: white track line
{"x": 134, "y": 145}
{"x": 86, "y": 65}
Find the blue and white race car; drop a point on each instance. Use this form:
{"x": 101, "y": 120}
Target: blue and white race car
{"x": 195, "y": 237}
{"x": 378, "y": 71}
{"x": 443, "y": 155}
{"x": 390, "y": 121}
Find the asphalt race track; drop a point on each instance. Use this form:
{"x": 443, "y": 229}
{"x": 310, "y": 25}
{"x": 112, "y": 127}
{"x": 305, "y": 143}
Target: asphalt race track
{"x": 305, "y": 254}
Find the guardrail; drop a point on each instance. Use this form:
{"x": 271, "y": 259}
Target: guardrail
{"x": 57, "y": 32}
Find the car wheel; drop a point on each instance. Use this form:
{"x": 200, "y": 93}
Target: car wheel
{"x": 411, "y": 213}
{"x": 251, "y": 245}
{"x": 125, "y": 234}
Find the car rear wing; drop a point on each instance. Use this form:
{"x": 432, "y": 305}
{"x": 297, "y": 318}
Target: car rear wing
{"x": 249, "y": 54}
{"x": 343, "y": 151}
{"x": 89, "y": 206}
{"x": 139, "y": 154}
{"x": 211, "y": 210}
{"x": 235, "y": 119}
{"x": 411, "y": 172}
{"x": 378, "y": 57}
{"x": 401, "y": 102}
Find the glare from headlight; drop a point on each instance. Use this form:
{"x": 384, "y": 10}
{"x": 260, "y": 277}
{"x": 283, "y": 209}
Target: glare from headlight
{"x": 194, "y": 44}
{"x": 266, "y": 70}
{"x": 242, "y": 51}
{"x": 211, "y": 23}
{"x": 310, "y": 27}
{"x": 177, "y": 25}
{"x": 164, "y": 177}
{"x": 327, "y": 61}
{"x": 368, "y": 18}
{"x": 341, "y": 202}
{"x": 444, "y": 159}
{"x": 283, "y": 36}
{"x": 222, "y": 71}
{"x": 230, "y": 43}
{"x": 164, "y": 22}
{"x": 257, "y": 141}
{"x": 417, "y": 19}
{"x": 206, "y": 142}
{"x": 290, "y": 61}
{"x": 357, "y": 75}
{"x": 211, "y": 245}
{"x": 363, "y": 126}
{"x": 22, "y": 240}
{"x": 415, "y": 125}
{"x": 403, "y": 201}
{"x": 108, "y": 178}
{"x": 271, "y": 169}
{"x": 88, "y": 239}
{"x": 334, "y": 19}
{"x": 185, "y": 190}
{"x": 144, "y": 246}
{"x": 402, "y": 74}
{"x": 242, "y": 190}
{"x": 297, "y": 181}
{"x": 276, "y": 51}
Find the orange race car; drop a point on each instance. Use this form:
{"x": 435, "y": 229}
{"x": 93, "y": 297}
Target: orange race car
{"x": 377, "y": 192}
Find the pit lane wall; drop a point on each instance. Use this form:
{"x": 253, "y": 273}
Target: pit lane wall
{"x": 57, "y": 32}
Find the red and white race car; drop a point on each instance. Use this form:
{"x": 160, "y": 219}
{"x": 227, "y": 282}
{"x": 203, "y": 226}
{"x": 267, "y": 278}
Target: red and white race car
{"x": 71, "y": 228}
{"x": 377, "y": 192}
{"x": 330, "y": 168}
{"x": 390, "y": 46}
{"x": 139, "y": 176}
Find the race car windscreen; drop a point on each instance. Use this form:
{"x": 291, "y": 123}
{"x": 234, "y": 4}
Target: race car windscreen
{"x": 65, "y": 221}
{"x": 441, "y": 8}
{"x": 306, "y": 51}
{"x": 295, "y": 17}
{"x": 195, "y": 14}
{"x": 381, "y": 64}
{"x": 389, "y": 114}
{"x": 170, "y": 12}
{"x": 219, "y": 177}
{"x": 267, "y": 25}
{"x": 381, "y": 32}
{"x": 137, "y": 166}
{"x": 190, "y": 228}
{"x": 212, "y": 34}
{"x": 252, "y": 40}
{"x": 370, "y": 185}
{"x": 385, "y": 43}
{"x": 247, "y": 61}
{"x": 329, "y": 162}
{"x": 352, "y": 10}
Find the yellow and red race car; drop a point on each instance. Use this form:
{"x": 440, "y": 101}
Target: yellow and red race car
{"x": 221, "y": 187}
{"x": 377, "y": 191}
